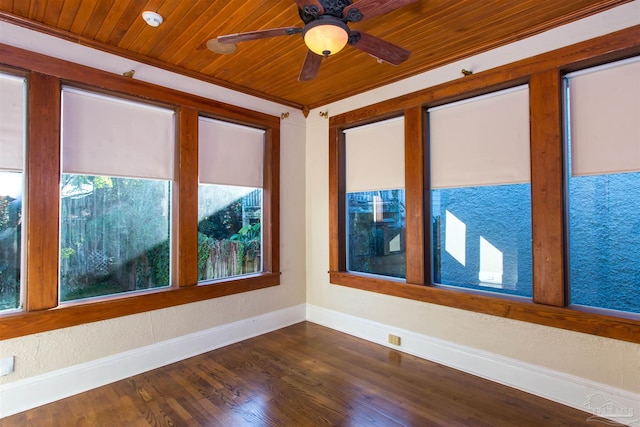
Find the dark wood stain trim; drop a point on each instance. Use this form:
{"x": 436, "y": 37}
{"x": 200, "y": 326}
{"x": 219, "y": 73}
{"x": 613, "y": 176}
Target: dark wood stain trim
{"x": 271, "y": 201}
{"x": 43, "y": 191}
{"x": 414, "y": 196}
{"x": 72, "y": 314}
{"x": 547, "y": 196}
{"x": 549, "y": 305}
{"x": 337, "y": 230}
{"x": 574, "y": 319}
{"x": 79, "y": 75}
{"x": 185, "y": 200}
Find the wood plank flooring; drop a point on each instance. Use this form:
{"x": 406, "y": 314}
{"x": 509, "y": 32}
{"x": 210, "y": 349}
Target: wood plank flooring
{"x": 302, "y": 375}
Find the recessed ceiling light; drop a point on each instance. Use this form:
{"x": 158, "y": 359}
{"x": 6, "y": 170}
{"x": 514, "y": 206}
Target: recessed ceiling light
{"x": 152, "y": 19}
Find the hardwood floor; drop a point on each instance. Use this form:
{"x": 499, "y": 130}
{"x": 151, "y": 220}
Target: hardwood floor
{"x": 302, "y": 375}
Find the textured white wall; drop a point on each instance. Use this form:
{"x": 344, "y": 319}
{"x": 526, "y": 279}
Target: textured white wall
{"x": 602, "y": 360}
{"x": 45, "y": 352}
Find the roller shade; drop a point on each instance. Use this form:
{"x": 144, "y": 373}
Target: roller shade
{"x": 12, "y": 119}
{"x": 103, "y": 135}
{"x": 375, "y": 156}
{"x": 604, "y": 105}
{"x": 481, "y": 141}
{"x": 230, "y": 154}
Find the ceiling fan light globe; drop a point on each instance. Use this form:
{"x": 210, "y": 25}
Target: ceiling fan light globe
{"x": 326, "y": 37}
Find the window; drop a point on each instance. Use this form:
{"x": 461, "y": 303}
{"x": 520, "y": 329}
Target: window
{"x": 109, "y": 226}
{"x": 488, "y": 225}
{"x": 12, "y": 118}
{"x": 481, "y": 193}
{"x": 117, "y": 163}
{"x": 375, "y": 198}
{"x": 230, "y": 163}
{"x": 604, "y": 185}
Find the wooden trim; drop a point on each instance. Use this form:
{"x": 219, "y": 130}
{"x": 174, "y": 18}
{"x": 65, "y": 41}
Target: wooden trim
{"x": 43, "y": 191}
{"x": 548, "y": 307}
{"x": 547, "y": 196}
{"x": 185, "y": 200}
{"x": 72, "y": 314}
{"x": 414, "y": 158}
{"x": 575, "y": 319}
{"x": 78, "y": 75}
{"x": 271, "y": 201}
{"x": 337, "y": 188}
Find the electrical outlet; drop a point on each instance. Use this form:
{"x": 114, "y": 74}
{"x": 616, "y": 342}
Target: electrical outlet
{"x": 6, "y": 365}
{"x": 394, "y": 339}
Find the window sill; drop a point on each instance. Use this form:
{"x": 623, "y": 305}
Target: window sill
{"x": 578, "y": 319}
{"x": 16, "y": 324}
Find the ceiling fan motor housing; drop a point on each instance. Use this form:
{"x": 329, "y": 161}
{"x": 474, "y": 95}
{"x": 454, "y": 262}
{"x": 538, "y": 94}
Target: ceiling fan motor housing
{"x": 333, "y": 8}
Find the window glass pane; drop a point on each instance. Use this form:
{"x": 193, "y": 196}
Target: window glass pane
{"x": 117, "y": 164}
{"x": 375, "y": 198}
{"x": 229, "y": 231}
{"x": 114, "y": 235}
{"x": 10, "y": 238}
{"x": 481, "y": 195}
{"x": 376, "y": 232}
{"x": 12, "y": 120}
{"x": 604, "y": 241}
{"x": 230, "y": 169}
{"x": 604, "y": 186}
{"x": 482, "y": 238}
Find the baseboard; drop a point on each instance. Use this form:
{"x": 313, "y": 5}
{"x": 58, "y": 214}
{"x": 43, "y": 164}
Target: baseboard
{"x": 612, "y": 403}
{"x": 35, "y": 391}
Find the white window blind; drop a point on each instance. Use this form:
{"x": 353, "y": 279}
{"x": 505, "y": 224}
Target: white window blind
{"x": 104, "y": 135}
{"x": 481, "y": 141}
{"x": 12, "y": 119}
{"x": 375, "y": 156}
{"x": 604, "y": 105}
{"x": 230, "y": 154}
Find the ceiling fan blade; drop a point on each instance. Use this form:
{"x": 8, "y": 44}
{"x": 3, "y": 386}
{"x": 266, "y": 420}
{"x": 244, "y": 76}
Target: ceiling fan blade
{"x": 302, "y": 3}
{"x": 388, "y": 52}
{"x": 372, "y": 8}
{"x": 310, "y": 67}
{"x": 260, "y": 34}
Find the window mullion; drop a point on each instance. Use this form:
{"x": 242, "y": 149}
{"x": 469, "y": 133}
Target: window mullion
{"x": 547, "y": 196}
{"x": 185, "y": 200}
{"x": 271, "y": 201}
{"x": 43, "y": 191}
{"x": 337, "y": 220}
{"x": 415, "y": 196}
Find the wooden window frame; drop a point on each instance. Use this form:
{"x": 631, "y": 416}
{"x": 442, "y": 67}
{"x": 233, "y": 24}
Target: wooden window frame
{"x": 549, "y": 305}
{"x": 41, "y": 310}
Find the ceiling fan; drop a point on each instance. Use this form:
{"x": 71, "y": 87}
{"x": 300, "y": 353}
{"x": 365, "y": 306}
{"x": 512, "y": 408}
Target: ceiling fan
{"x": 326, "y": 32}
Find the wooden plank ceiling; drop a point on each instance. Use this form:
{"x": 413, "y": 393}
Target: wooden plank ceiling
{"x": 437, "y": 32}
